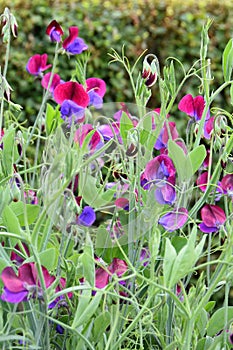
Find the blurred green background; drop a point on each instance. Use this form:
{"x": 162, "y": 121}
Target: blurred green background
{"x": 165, "y": 28}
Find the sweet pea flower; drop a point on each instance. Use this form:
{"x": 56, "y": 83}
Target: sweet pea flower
{"x": 26, "y": 284}
{"x": 73, "y": 44}
{"x": 54, "y": 30}
{"x": 103, "y": 276}
{"x": 87, "y": 217}
{"x": 95, "y": 142}
{"x": 169, "y": 128}
{"x": 37, "y": 64}
{"x": 193, "y": 106}
{"x": 213, "y": 217}
{"x": 202, "y": 181}
{"x": 73, "y": 99}
{"x": 174, "y": 220}
{"x": 96, "y": 89}
{"x": 227, "y": 185}
{"x": 160, "y": 172}
{"x": 54, "y": 83}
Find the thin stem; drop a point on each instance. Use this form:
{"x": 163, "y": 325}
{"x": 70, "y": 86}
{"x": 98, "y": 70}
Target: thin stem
{"x": 7, "y": 56}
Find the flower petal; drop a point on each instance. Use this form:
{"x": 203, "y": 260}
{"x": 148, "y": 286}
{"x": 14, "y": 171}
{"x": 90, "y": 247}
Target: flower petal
{"x": 14, "y": 297}
{"x": 73, "y": 34}
{"x": 174, "y": 219}
{"x": 73, "y": 91}
{"x": 87, "y": 217}
{"x": 11, "y": 281}
{"x": 96, "y": 84}
{"x": 213, "y": 215}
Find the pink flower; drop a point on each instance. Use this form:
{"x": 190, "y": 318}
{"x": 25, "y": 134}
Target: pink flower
{"x": 213, "y": 217}
{"x": 55, "y": 81}
{"x": 54, "y": 30}
{"x": 102, "y": 276}
{"x": 26, "y": 284}
{"x": 37, "y": 64}
{"x": 193, "y": 107}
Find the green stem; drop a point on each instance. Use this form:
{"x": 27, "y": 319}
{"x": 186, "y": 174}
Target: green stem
{"x": 7, "y": 56}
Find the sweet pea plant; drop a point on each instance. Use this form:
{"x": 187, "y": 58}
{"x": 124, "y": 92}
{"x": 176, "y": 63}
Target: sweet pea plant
{"x": 116, "y": 224}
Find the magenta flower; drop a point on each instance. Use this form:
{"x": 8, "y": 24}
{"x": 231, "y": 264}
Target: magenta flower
{"x": 213, "y": 217}
{"x": 193, "y": 107}
{"x": 102, "y": 276}
{"x": 96, "y": 89}
{"x": 95, "y": 142}
{"x": 37, "y": 64}
{"x": 160, "y": 172}
{"x": 122, "y": 203}
{"x": 73, "y": 44}
{"x": 54, "y": 30}
{"x": 174, "y": 220}
{"x": 73, "y": 99}
{"x": 26, "y": 284}
{"x": 55, "y": 81}
{"x": 227, "y": 185}
{"x": 87, "y": 217}
{"x": 208, "y": 127}
{"x": 202, "y": 181}
{"x": 164, "y": 135}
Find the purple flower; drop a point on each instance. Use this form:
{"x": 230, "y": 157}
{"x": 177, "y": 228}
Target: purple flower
{"x": 164, "y": 135}
{"x": 96, "y": 89}
{"x": 54, "y": 30}
{"x": 160, "y": 172}
{"x": 70, "y": 110}
{"x": 73, "y": 44}
{"x": 87, "y": 217}
{"x": 174, "y": 220}
{"x": 27, "y": 284}
{"x": 37, "y": 64}
{"x": 73, "y": 99}
{"x": 213, "y": 217}
{"x": 193, "y": 107}
{"x": 20, "y": 288}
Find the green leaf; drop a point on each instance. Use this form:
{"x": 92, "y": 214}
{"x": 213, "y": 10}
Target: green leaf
{"x": 168, "y": 262}
{"x": 126, "y": 124}
{"x": 88, "y": 262}
{"x": 227, "y": 60}
{"x": 197, "y": 157}
{"x": 210, "y": 305}
{"x": 101, "y": 322}
{"x": 181, "y": 264}
{"x": 91, "y": 194}
{"x": 48, "y": 258}
{"x": 217, "y": 320}
{"x": 11, "y": 221}
{"x": 181, "y": 162}
{"x": 32, "y": 212}
{"x": 88, "y": 312}
{"x": 9, "y": 153}
{"x": 52, "y": 119}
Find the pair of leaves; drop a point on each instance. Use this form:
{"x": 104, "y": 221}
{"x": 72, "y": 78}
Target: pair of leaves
{"x": 186, "y": 165}
{"x": 178, "y": 265}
